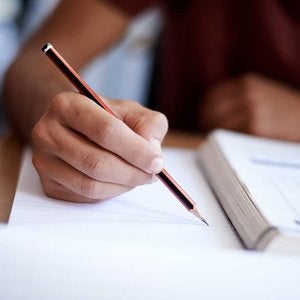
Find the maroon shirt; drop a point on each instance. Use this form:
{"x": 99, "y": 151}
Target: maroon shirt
{"x": 205, "y": 42}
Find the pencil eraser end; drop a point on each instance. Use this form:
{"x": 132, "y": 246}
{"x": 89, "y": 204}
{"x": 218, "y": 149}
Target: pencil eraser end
{"x": 46, "y": 47}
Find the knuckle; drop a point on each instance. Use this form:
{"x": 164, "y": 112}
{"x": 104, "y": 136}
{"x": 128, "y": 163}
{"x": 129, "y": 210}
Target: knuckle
{"x": 94, "y": 165}
{"x": 89, "y": 188}
{"x": 38, "y": 132}
{"x": 42, "y": 137}
{"x": 59, "y": 103}
{"x": 105, "y": 131}
{"x": 63, "y": 108}
{"x": 40, "y": 165}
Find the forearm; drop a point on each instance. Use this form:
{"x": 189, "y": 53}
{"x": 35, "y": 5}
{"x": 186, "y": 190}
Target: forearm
{"x": 29, "y": 86}
{"x": 32, "y": 81}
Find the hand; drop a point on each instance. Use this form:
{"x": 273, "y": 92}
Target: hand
{"x": 253, "y": 104}
{"x": 82, "y": 153}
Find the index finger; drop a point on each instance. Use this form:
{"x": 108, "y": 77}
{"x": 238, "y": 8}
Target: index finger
{"x": 86, "y": 117}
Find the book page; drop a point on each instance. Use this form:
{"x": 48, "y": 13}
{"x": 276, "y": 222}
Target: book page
{"x": 148, "y": 216}
{"x": 270, "y": 171}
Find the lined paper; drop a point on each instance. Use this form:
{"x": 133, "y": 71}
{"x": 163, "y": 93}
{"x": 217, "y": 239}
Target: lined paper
{"x": 148, "y": 216}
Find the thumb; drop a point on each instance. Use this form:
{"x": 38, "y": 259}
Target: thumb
{"x": 149, "y": 124}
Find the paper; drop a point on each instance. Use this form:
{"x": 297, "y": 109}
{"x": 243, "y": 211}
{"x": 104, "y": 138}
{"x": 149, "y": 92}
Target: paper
{"x": 54, "y": 268}
{"x": 141, "y": 245}
{"x": 148, "y": 216}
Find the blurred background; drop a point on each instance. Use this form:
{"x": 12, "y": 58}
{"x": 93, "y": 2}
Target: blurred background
{"x": 123, "y": 72}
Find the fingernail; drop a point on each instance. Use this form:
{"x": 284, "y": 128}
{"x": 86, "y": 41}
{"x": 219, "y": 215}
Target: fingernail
{"x": 157, "y": 165}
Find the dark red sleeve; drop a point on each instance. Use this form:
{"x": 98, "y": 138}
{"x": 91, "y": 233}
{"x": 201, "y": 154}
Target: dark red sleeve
{"x": 133, "y": 6}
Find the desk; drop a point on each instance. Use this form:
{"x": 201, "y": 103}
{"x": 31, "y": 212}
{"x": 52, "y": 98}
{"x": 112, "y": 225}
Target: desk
{"x": 45, "y": 264}
{"x": 10, "y": 152}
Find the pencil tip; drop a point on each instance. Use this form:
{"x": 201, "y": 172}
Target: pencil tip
{"x": 204, "y": 221}
{"x": 196, "y": 213}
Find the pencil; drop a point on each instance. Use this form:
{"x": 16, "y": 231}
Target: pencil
{"x": 86, "y": 90}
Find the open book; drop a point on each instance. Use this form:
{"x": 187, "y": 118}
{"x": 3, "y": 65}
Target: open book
{"x": 257, "y": 182}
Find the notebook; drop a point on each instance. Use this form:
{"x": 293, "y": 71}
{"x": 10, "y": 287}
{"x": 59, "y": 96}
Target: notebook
{"x": 147, "y": 217}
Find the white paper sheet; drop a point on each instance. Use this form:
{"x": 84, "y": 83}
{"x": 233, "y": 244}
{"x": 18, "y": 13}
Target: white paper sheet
{"x": 142, "y": 245}
{"x": 148, "y": 216}
{"x": 47, "y": 267}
